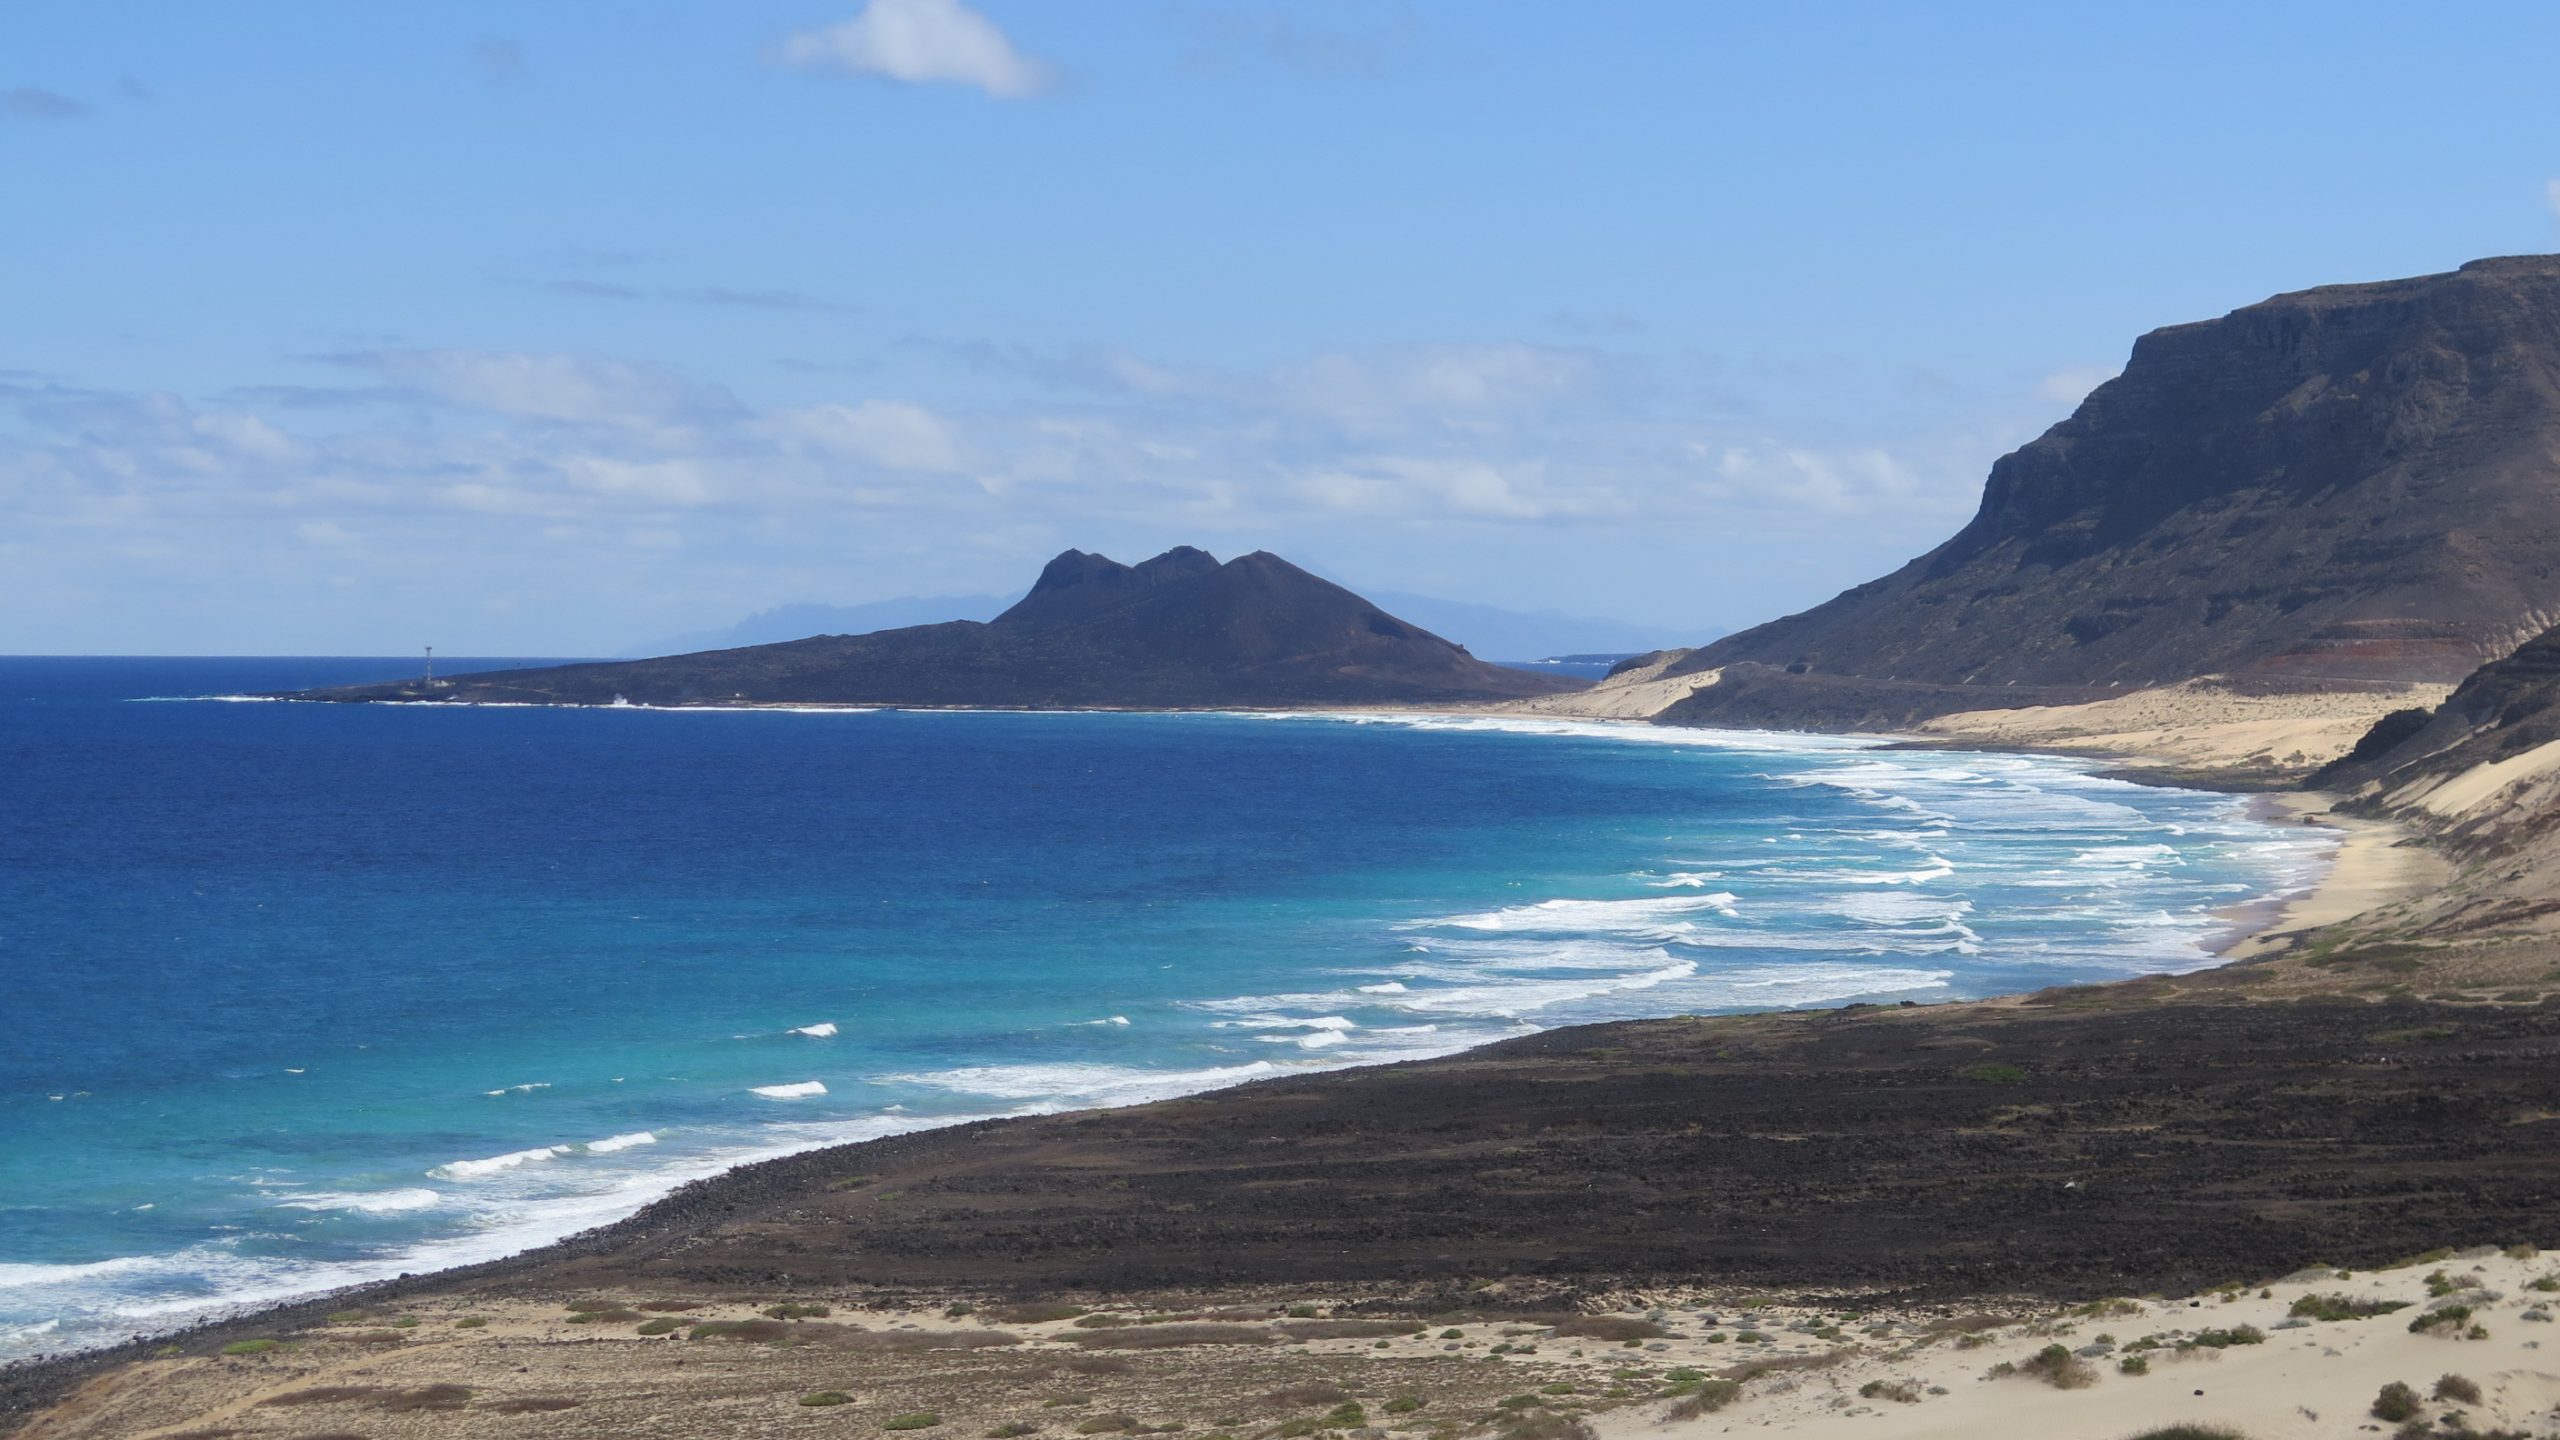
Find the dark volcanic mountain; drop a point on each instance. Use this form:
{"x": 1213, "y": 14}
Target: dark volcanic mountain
{"x": 2356, "y": 482}
{"x": 1179, "y": 630}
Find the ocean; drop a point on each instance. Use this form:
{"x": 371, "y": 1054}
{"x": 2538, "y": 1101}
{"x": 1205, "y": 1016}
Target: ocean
{"x": 295, "y": 996}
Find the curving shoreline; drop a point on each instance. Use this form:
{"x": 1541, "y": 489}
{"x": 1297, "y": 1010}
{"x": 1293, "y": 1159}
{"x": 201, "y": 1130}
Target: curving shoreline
{"x": 22, "y": 1384}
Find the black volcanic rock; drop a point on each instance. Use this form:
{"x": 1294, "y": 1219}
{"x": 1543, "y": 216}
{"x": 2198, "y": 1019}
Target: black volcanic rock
{"x": 2354, "y": 482}
{"x": 1180, "y": 630}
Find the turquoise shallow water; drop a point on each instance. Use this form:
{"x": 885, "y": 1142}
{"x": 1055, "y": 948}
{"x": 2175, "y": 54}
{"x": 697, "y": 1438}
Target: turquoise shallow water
{"x": 303, "y": 995}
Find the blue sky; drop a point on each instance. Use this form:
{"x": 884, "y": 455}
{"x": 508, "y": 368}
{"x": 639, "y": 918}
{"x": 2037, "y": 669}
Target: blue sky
{"x": 517, "y": 329}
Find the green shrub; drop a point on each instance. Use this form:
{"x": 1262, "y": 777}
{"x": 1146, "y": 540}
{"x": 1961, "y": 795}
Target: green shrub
{"x": 252, "y": 1347}
{"x": 660, "y": 1326}
{"x": 2056, "y": 1366}
{"x": 914, "y": 1420}
{"x": 2134, "y": 1365}
{"x": 2396, "y": 1401}
{"x": 346, "y": 1317}
{"x": 2225, "y": 1339}
{"x": 958, "y": 1308}
{"x": 1710, "y": 1397}
{"x": 1113, "y": 1423}
{"x": 825, "y": 1397}
{"x": 1453, "y": 1334}
{"x": 2342, "y": 1307}
{"x": 1405, "y": 1404}
{"x": 1346, "y": 1416}
{"x": 1302, "y": 1312}
{"x": 1013, "y": 1430}
{"x": 471, "y": 1322}
{"x": 2459, "y": 1389}
{"x": 792, "y": 1310}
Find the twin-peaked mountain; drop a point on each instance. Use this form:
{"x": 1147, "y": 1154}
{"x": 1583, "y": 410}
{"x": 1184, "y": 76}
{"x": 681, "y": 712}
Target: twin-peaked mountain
{"x": 1180, "y": 630}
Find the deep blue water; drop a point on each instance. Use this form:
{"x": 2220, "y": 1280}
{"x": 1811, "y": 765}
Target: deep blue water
{"x": 295, "y": 995}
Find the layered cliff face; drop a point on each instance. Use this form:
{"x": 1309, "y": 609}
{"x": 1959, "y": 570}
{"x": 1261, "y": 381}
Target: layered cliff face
{"x": 2356, "y": 482}
{"x": 1179, "y": 630}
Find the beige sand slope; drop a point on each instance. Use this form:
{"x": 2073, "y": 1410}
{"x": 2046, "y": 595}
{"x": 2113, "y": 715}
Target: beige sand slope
{"x": 2203, "y": 724}
{"x": 2300, "y": 1379}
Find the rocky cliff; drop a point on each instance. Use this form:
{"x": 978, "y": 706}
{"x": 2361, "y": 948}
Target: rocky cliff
{"x": 2356, "y": 482}
{"x": 1180, "y": 630}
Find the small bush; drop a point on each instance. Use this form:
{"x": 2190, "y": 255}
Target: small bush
{"x": 1405, "y": 1404}
{"x": 1346, "y": 1416}
{"x": 252, "y": 1347}
{"x": 2056, "y": 1366}
{"x": 958, "y": 1308}
{"x": 2343, "y": 1307}
{"x": 1546, "y": 1425}
{"x": 614, "y": 1316}
{"x": 791, "y": 1310}
{"x": 2225, "y": 1339}
{"x": 826, "y": 1397}
{"x": 2134, "y": 1365}
{"x": 2459, "y": 1389}
{"x": 1302, "y": 1312}
{"x": 2395, "y": 1402}
{"x": 1710, "y": 1397}
{"x": 1113, "y": 1423}
{"x": 1013, "y": 1430}
{"x": 1901, "y": 1392}
{"x": 661, "y": 1326}
{"x": 2443, "y": 1320}
{"x": 914, "y": 1420}
{"x": 1453, "y": 1334}
{"x": 471, "y": 1322}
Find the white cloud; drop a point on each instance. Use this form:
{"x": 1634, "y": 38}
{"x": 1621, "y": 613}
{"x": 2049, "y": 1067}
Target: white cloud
{"x": 920, "y": 42}
{"x": 891, "y": 433}
{"x": 572, "y": 388}
{"x": 2072, "y": 384}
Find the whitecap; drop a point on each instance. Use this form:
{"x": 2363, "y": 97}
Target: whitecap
{"x": 822, "y": 1030}
{"x": 800, "y": 1090}
{"x": 482, "y": 1169}
{"x": 611, "y": 1143}
{"x": 1392, "y": 987}
{"x": 367, "y": 1202}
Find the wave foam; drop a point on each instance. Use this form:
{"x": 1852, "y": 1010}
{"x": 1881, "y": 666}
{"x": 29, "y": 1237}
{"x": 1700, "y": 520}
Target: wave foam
{"x": 799, "y": 1090}
{"x": 612, "y": 1143}
{"x": 824, "y": 1029}
{"x": 495, "y": 1164}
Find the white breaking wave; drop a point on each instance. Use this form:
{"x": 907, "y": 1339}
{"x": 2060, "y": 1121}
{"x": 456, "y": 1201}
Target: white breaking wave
{"x": 800, "y": 1090}
{"x": 368, "y": 1202}
{"x": 1570, "y": 916}
{"x": 822, "y": 1030}
{"x": 612, "y": 1143}
{"x": 483, "y": 1169}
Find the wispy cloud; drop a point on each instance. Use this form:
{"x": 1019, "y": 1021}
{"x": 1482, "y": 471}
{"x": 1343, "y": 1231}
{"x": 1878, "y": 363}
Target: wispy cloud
{"x": 1220, "y": 35}
{"x": 26, "y": 102}
{"x": 500, "y": 62}
{"x": 919, "y": 42}
{"x": 720, "y": 295}
{"x": 576, "y": 389}
{"x": 2072, "y": 384}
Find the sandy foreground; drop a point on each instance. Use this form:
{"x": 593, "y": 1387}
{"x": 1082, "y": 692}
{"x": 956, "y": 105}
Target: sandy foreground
{"x": 2267, "y": 1360}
